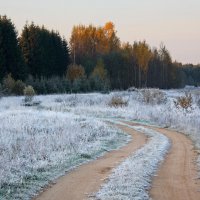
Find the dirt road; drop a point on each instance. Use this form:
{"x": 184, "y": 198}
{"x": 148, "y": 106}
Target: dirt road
{"x": 177, "y": 177}
{"x": 89, "y": 177}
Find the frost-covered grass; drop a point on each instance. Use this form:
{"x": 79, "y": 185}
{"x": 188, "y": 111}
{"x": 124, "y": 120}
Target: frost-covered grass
{"x": 166, "y": 114}
{"x": 132, "y": 179}
{"x": 38, "y": 144}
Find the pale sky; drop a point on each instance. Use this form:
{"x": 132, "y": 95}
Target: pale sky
{"x": 176, "y": 23}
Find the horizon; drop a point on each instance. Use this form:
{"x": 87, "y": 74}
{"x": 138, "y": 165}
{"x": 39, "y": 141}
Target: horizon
{"x": 178, "y": 28}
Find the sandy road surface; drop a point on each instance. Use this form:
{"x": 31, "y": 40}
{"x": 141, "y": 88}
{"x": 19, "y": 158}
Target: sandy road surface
{"x": 89, "y": 177}
{"x": 177, "y": 177}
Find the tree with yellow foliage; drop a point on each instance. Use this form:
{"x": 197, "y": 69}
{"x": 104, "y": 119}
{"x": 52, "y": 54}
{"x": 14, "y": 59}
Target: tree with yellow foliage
{"x": 88, "y": 43}
{"x": 143, "y": 56}
{"x": 75, "y": 72}
{"x": 99, "y": 79}
{"x": 110, "y": 34}
{"x": 100, "y": 71}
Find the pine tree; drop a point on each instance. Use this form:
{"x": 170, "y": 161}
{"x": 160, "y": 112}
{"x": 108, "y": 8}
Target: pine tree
{"x": 46, "y": 53}
{"x": 11, "y": 59}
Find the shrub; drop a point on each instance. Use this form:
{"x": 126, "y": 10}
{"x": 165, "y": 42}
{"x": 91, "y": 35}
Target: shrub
{"x": 29, "y": 93}
{"x": 18, "y": 88}
{"x": 98, "y": 84}
{"x": 8, "y": 84}
{"x": 40, "y": 86}
{"x": 50, "y": 85}
{"x": 117, "y": 101}
{"x": 66, "y": 85}
{"x": 152, "y": 96}
{"x": 75, "y": 72}
{"x": 76, "y": 86}
{"x": 184, "y": 102}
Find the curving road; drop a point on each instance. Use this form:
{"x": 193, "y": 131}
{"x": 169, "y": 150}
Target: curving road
{"x": 176, "y": 179}
{"x": 88, "y": 178}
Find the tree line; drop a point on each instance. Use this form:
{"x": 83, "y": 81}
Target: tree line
{"x": 94, "y": 60}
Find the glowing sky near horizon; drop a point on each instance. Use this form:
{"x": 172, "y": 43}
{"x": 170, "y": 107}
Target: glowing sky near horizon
{"x": 176, "y": 23}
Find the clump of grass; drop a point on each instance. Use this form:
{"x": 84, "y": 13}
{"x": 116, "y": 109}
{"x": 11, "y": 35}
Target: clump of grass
{"x": 153, "y": 96}
{"x": 184, "y": 102}
{"x": 86, "y": 156}
{"x": 117, "y": 101}
{"x": 29, "y": 93}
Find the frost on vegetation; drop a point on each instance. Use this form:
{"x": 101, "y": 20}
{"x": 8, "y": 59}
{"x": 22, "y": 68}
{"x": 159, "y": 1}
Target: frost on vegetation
{"x": 29, "y": 93}
{"x": 72, "y": 116}
{"x": 117, "y": 101}
{"x": 36, "y": 147}
{"x": 152, "y": 96}
{"x": 184, "y": 102}
{"x": 132, "y": 179}
{"x": 196, "y": 97}
{"x": 163, "y": 114}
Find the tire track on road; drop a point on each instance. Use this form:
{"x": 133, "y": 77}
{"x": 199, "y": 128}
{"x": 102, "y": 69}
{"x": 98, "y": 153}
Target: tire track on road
{"x": 177, "y": 177}
{"x": 88, "y": 178}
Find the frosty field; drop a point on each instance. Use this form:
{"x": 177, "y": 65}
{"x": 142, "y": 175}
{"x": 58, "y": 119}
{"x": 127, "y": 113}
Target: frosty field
{"x": 41, "y": 143}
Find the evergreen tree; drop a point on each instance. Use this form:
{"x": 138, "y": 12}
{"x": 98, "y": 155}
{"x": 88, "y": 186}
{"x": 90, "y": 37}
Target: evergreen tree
{"x": 46, "y": 53}
{"x": 11, "y": 59}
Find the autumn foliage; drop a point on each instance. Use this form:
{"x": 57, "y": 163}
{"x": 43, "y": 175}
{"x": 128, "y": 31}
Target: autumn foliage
{"x": 94, "y": 59}
{"x": 75, "y": 72}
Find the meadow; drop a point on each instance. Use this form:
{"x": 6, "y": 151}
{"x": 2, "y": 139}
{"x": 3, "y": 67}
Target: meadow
{"x": 40, "y": 143}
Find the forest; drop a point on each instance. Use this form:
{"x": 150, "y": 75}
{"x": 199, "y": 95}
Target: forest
{"x": 94, "y": 59}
